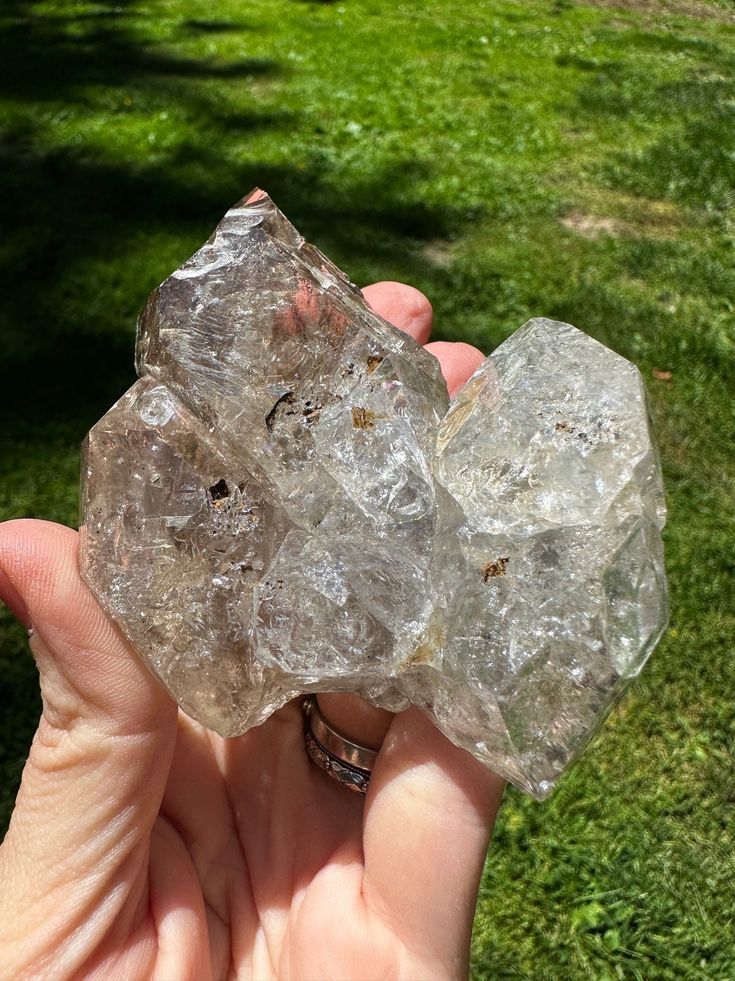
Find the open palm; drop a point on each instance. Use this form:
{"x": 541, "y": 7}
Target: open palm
{"x": 144, "y": 846}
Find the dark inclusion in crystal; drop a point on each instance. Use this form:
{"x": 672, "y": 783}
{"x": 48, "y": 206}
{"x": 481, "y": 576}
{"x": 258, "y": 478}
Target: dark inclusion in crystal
{"x": 286, "y": 502}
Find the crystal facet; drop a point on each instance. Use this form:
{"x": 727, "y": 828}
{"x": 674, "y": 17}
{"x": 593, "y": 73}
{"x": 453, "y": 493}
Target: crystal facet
{"x": 286, "y": 502}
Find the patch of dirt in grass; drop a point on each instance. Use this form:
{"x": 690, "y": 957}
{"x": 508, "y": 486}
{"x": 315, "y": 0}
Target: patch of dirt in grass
{"x": 618, "y": 215}
{"x": 438, "y": 252}
{"x": 595, "y": 226}
{"x": 687, "y": 8}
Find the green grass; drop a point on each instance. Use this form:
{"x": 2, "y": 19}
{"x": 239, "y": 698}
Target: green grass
{"x": 575, "y": 160}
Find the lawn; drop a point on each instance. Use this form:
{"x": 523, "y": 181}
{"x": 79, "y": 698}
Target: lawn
{"x": 511, "y": 159}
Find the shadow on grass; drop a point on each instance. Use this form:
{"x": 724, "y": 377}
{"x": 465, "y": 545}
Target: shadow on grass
{"x": 691, "y": 163}
{"x": 214, "y": 26}
{"x": 57, "y": 57}
{"x": 68, "y": 353}
{"x": 65, "y": 352}
{"x": 20, "y": 707}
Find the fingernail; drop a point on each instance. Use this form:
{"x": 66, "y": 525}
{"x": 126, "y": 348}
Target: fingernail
{"x": 11, "y": 598}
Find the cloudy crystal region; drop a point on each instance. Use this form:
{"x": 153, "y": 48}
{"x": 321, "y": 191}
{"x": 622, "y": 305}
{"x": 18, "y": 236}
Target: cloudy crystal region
{"x": 285, "y": 502}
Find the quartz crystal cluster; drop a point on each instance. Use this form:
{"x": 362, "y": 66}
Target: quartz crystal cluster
{"x": 287, "y": 502}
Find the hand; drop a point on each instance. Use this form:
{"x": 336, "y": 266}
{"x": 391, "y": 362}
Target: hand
{"x": 144, "y": 846}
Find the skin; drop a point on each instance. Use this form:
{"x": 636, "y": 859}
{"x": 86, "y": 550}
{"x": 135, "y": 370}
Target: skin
{"x": 143, "y": 846}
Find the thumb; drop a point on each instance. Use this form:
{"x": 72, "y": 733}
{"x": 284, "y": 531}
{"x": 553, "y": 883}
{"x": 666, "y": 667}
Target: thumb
{"x": 94, "y": 780}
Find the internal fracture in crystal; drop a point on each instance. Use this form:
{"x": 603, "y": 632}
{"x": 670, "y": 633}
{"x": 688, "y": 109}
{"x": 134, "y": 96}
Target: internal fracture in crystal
{"x": 286, "y": 502}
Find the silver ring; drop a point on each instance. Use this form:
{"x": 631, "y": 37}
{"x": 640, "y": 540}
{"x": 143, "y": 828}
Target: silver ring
{"x": 347, "y": 762}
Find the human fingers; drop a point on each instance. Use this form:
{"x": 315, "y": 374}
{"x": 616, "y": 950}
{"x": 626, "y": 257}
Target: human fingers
{"x": 428, "y": 819}
{"x": 458, "y": 362}
{"x": 403, "y": 306}
{"x": 76, "y": 850}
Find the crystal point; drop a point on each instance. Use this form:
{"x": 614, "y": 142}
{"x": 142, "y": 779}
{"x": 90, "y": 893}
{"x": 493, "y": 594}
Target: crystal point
{"x": 286, "y": 502}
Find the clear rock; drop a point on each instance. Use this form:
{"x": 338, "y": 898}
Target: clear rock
{"x": 285, "y": 502}
{"x": 547, "y": 451}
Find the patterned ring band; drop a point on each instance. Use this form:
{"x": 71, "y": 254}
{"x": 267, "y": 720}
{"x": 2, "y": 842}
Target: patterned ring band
{"x": 347, "y": 762}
